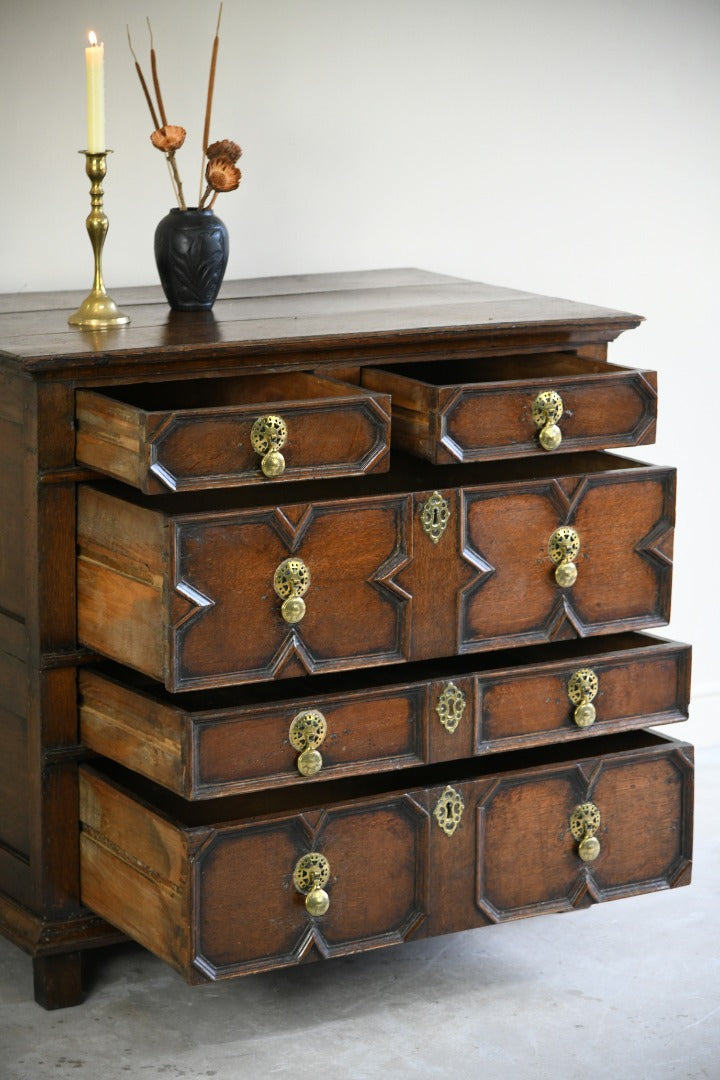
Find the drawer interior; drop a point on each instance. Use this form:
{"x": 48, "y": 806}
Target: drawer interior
{"x": 217, "y": 393}
{"x": 498, "y": 369}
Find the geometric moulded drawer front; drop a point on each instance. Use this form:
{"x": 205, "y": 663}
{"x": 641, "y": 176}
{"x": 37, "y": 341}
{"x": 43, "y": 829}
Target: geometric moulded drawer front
{"x": 213, "y": 598}
{"x": 220, "y": 900}
{"x": 223, "y": 898}
{"x": 515, "y": 406}
{"x": 218, "y": 744}
{"x": 522, "y": 820}
{"x": 219, "y": 433}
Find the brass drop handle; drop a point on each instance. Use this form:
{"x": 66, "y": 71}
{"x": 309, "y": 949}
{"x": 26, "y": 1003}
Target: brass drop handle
{"x": 291, "y": 582}
{"x": 267, "y": 437}
{"x": 307, "y": 733}
{"x": 582, "y": 689}
{"x": 547, "y": 408}
{"x": 584, "y": 823}
{"x": 310, "y": 876}
{"x": 563, "y": 549}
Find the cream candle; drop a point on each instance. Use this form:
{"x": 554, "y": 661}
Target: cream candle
{"x": 95, "y": 82}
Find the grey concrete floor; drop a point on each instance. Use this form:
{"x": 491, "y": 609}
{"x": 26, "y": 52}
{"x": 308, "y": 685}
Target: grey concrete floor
{"x": 629, "y": 989}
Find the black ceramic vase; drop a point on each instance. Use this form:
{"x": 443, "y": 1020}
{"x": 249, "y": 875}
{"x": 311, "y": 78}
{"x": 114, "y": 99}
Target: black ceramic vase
{"x": 191, "y": 252}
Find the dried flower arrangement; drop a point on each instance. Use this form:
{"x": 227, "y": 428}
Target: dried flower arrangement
{"x": 221, "y": 172}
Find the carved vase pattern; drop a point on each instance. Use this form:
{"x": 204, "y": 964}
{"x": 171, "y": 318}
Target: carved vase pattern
{"x": 191, "y": 252}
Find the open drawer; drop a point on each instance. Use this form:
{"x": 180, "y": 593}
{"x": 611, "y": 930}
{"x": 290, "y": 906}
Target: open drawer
{"x": 212, "y": 433}
{"x": 263, "y": 881}
{"x": 227, "y": 742}
{"x": 512, "y": 406}
{"x": 380, "y": 572}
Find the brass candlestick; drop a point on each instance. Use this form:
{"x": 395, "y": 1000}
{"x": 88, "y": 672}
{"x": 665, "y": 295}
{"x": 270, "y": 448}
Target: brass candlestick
{"x": 98, "y": 311}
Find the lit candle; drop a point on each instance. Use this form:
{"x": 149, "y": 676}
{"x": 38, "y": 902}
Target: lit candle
{"x": 95, "y": 76}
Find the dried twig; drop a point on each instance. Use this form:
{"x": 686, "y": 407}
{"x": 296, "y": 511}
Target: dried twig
{"x": 208, "y": 106}
{"x": 221, "y": 173}
{"x": 141, "y": 77}
{"x": 170, "y": 157}
{"x": 156, "y": 81}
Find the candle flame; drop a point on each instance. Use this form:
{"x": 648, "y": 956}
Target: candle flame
{"x": 92, "y": 38}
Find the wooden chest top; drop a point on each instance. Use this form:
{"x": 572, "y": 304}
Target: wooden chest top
{"x": 274, "y": 323}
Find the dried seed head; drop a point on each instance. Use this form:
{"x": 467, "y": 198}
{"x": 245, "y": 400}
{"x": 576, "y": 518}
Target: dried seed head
{"x": 224, "y": 148}
{"x": 222, "y": 175}
{"x": 168, "y": 138}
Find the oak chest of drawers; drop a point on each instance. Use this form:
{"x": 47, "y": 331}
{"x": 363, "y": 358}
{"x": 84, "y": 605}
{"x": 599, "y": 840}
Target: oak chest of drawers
{"x": 323, "y": 623}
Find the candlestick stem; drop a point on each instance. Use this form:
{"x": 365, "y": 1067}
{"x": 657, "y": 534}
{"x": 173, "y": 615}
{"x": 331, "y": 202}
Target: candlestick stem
{"x": 98, "y": 311}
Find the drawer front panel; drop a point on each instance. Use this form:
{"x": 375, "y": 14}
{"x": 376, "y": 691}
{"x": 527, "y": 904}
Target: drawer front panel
{"x": 206, "y": 753}
{"x": 203, "y": 752}
{"x": 355, "y": 614}
{"x": 369, "y": 844}
{"x": 644, "y": 800}
{"x": 403, "y": 864}
{"x": 195, "y": 601}
{"x": 533, "y": 706}
{"x": 535, "y": 813}
{"x": 624, "y": 529}
{"x": 492, "y": 416}
{"x": 325, "y": 429}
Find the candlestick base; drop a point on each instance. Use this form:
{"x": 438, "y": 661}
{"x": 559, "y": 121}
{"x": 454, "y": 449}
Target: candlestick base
{"x": 98, "y": 311}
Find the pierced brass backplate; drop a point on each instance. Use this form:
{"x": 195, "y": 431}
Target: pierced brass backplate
{"x": 563, "y": 549}
{"x": 547, "y": 408}
{"x": 307, "y": 733}
{"x": 450, "y": 707}
{"x": 291, "y": 582}
{"x": 310, "y": 875}
{"x": 449, "y": 810}
{"x": 582, "y": 689}
{"x": 584, "y": 823}
{"x": 435, "y": 514}
{"x": 267, "y": 437}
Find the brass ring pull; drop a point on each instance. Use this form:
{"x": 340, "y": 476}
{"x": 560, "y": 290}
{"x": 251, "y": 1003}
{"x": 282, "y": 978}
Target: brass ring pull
{"x": 267, "y": 437}
{"x": 582, "y": 688}
{"x": 547, "y": 408}
{"x": 563, "y": 548}
{"x": 291, "y": 582}
{"x": 310, "y": 875}
{"x": 307, "y": 733}
{"x": 584, "y": 823}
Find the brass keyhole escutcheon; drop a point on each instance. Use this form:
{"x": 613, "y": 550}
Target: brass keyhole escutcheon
{"x": 584, "y": 823}
{"x": 435, "y": 515}
{"x": 582, "y": 689}
{"x": 547, "y": 408}
{"x": 267, "y": 437}
{"x": 310, "y": 876}
{"x": 307, "y": 733}
{"x": 291, "y": 582}
{"x": 448, "y": 810}
{"x": 450, "y": 707}
{"x": 563, "y": 549}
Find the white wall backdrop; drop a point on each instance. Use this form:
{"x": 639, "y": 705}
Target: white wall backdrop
{"x": 561, "y": 146}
